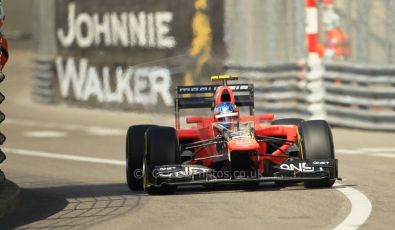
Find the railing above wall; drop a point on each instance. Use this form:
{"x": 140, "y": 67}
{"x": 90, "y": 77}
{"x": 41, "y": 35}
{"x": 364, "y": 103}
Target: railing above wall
{"x": 278, "y": 89}
{"x": 361, "y": 96}
{"x": 358, "y": 96}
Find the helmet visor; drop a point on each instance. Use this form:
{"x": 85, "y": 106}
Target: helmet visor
{"x": 227, "y": 119}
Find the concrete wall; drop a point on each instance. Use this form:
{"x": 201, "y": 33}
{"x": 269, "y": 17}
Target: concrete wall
{"x": 18, "y": 18}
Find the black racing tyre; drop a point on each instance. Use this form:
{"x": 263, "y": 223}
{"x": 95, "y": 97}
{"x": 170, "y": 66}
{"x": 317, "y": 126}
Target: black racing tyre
{"x": 287, "y": 121}
{"x": 135, "y": 149}
{"x": 162, "y": 148}
{"x": 316, "y": 142}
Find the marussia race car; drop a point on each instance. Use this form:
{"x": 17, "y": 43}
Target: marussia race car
{"x": 253, "y": 149}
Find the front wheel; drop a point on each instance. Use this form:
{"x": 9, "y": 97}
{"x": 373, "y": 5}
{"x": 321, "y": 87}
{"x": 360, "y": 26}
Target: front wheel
{"x": 162, "y": 148}
{"x": 316, "y": 143}
{"x": 134, "y": 156}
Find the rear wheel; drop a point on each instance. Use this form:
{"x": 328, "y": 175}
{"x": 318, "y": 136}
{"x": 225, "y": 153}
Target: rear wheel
{"x": 316, "y": 143}
{"x": 162, "y": 148}
{"x": 134, "y": 156}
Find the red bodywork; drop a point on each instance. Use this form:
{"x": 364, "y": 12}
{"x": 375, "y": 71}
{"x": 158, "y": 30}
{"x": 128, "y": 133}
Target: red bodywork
{"x": 202, "y": 129}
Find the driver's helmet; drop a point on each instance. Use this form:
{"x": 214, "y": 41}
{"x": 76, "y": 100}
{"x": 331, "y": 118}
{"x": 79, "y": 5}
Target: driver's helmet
{"x": 226, "y": 112}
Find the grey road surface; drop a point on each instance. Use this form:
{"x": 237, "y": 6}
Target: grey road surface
{"x": 67, "y": 194}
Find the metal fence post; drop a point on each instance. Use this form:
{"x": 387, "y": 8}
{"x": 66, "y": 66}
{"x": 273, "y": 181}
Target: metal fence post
{"x": 44, "y": 49}
{"x": 362, "y": 31}
{"x": 270, "y": 28}
{"x": 392, "y": 31}
{"x": 299, "y": 29}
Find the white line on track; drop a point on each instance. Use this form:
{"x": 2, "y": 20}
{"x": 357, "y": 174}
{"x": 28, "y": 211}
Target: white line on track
{"x": 92, "y": 130}
{"x": 360, "y": 208}
{"x": 45, "y": 134}
{"x": 360, "y": 204}
{"x": 59, "y": 156}
{"x": 379, "y": 152}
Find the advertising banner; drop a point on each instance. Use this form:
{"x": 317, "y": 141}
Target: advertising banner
{"x": 133, "y": 53}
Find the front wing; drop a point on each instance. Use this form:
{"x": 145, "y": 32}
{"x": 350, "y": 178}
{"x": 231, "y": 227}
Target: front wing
{"x": 292, "y": 170}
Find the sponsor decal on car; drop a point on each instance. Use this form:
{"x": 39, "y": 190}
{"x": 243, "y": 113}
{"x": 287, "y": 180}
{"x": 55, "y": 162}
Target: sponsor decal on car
{"x": 300, "y": 167}
{"x": 208, "y": 89}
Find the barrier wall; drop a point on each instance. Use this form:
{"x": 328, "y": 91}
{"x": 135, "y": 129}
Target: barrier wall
{"x": 131, "y": 55}
{"x": 124, "y": 54}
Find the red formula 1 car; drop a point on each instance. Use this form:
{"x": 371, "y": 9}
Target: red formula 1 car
{"x": 249, "y": 149}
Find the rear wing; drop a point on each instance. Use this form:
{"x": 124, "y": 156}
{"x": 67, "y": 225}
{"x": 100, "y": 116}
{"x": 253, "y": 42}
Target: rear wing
{"x": 202, "y": 96}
